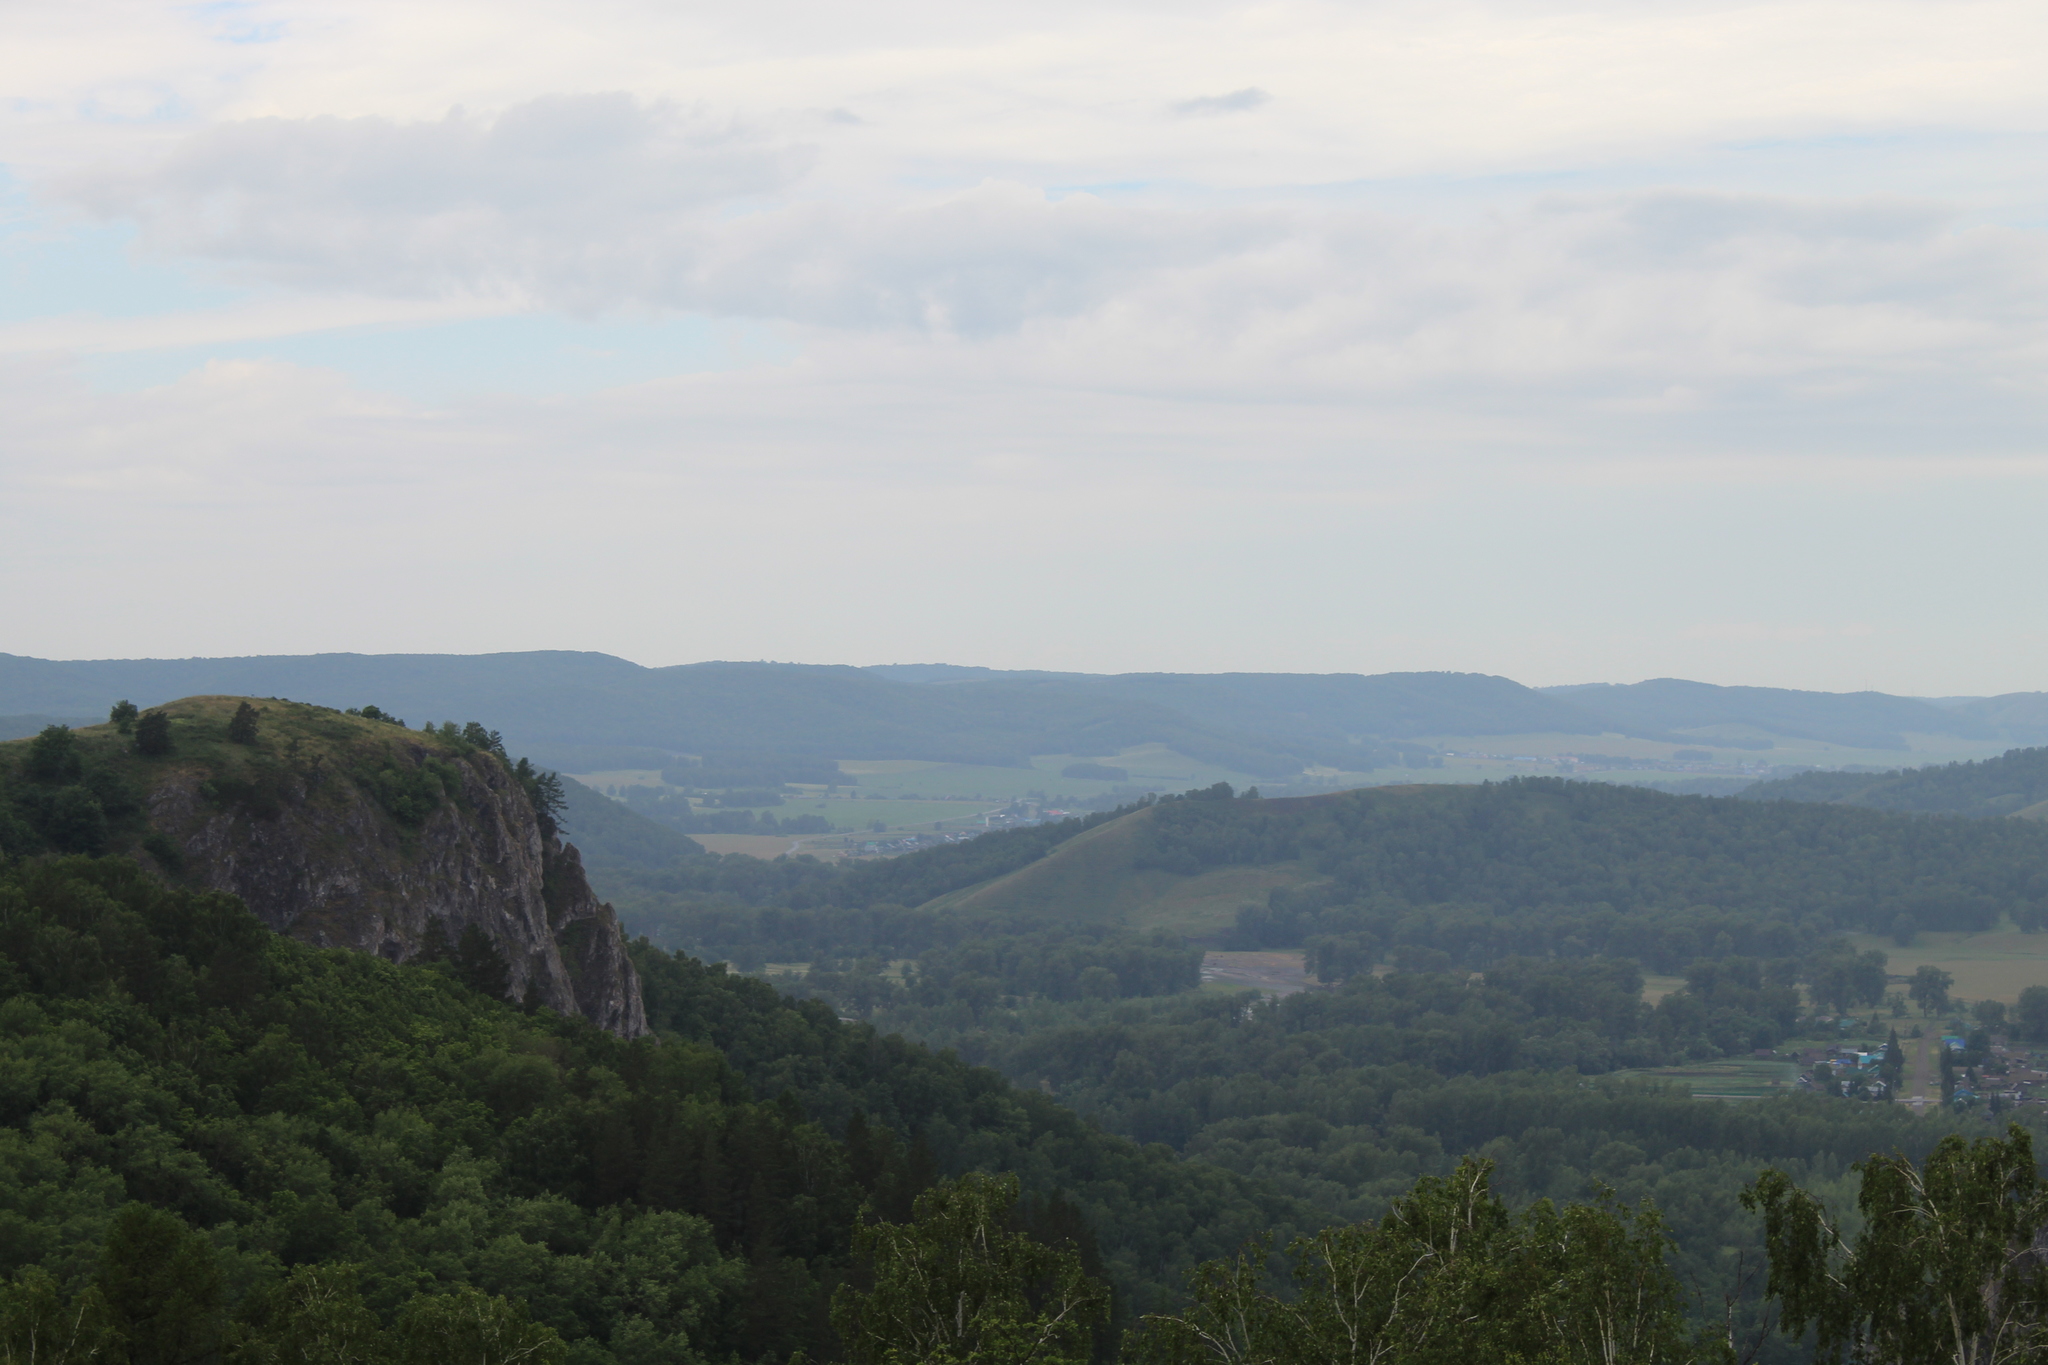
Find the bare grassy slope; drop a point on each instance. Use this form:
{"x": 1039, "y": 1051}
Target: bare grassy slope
{"x": 1091, "y": 879}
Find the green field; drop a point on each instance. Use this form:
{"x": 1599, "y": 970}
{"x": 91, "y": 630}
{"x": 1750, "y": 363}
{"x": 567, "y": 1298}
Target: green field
{"x": 1542, "y": 749}
{"x": 1995, "y": 965}
{"x": 1740, "y": 1079}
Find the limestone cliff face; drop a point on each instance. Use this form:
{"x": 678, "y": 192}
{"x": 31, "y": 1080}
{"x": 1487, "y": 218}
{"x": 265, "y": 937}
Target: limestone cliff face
{"x": 315, "y": 854}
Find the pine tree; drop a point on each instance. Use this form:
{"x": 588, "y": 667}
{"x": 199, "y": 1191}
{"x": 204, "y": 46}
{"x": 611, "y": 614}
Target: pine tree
{"x": 153, "y": 734}
{"x": 242, "y": 728}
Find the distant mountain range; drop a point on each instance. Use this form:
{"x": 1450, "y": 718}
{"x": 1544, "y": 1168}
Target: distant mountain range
{"x": 587, "y": 711}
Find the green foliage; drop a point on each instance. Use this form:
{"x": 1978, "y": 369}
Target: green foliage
{"x": 408, "y": 794}
{"x": 728, "y": 770}
{"x": 1988, "y": 787}
{"x": 242, "y": 725}
{"x": 957, "y": 1285}
{"x": 1929, "y": 988}
{"x": 543, "y": 792}
{"x": 469, "y": 1327}
{"x": 1152, "y": 1214}
{"x": 1945, "y": 1267}
{"x": 122, "y": 716}
{"x": 153, "y": 735}
{"x": 53, "y": 757}
{"x": 2032, "y": 1011}
{"x": 309, "y": 1107}
{"x": 317, "y": 1317}
{"x": 177, "y": 1075}
{"x": 1521, "y": 866}
{"x": 40, "y": 1325}
{"x": 1449, "y": 1275}
{"x": 162, "y": 1285}
{"x": 72, "y": 799}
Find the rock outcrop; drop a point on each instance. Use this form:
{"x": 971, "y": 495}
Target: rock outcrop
{"x": 308, "y": 838}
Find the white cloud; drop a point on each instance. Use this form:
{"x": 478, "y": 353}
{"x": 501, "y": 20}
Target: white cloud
{"x": 1627, "y": 303}
{"x": 1236, "y": 102}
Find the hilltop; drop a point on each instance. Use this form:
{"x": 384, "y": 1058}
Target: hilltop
{"x": 339, "y": 830}
{"x": 1523, "y": 866}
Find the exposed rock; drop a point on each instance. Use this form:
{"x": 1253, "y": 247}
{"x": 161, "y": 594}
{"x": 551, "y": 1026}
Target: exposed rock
{"x": 307, "y": 845}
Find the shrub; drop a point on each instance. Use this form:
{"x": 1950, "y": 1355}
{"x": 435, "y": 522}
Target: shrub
{"x": 53, "y": 756}
{"x": 153, "y": 734}
{"x": 242, "y": 729}
{"x": 122, "y": 717}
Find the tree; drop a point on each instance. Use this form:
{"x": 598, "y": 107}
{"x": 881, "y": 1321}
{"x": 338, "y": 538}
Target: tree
{"x": 470, "y": 1327}
{"x": 2033, "y": 1013}
{"x": 122, "y": 717}
{"x": 1448, "y": 1275}
{"x": 1929, "y": 988}
{"x": 162, "y": 1287}
{"x": 153, "y": 734}
{"x": 956, "y": 1285}
{"x": 317, "y": 1317}
{"x": 1892, "y": 1070}
{"x": 1945, "y": 1268}
{"x": 38, "y": 1326}
{"x": 242, "y": 728}
{"x": 77, "y": 823}
{"x": 479, "y": 965}
{"x": 53, "y": 756}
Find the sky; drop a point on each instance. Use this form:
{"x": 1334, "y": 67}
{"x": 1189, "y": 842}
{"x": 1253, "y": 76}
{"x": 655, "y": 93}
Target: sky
{"x": 1587, "y": 343}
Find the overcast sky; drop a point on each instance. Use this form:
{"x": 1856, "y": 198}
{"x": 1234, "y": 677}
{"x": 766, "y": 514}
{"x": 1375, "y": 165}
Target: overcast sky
{"x": 1578, "y": 343}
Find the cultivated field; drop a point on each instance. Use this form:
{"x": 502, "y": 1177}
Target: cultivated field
{"x": 1995, "y": 965}
{"x": 1739, "y": 1079}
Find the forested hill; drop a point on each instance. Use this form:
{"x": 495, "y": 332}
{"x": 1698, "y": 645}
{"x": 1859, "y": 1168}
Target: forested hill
{"x": 2006, "y": 785}
{"x": 1582, "y": 859}
{"x": 245, "y": 1125}
{"x": 586, "y": 712}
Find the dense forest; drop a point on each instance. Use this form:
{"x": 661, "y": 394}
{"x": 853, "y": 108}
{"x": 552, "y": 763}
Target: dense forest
{"x": 234, "y": 1141}
{"x": 678, "y": 1198}
{"x": 1561, "y": 893}
{"x": 1988, "y": 787}
{"x": 1533, "y": 844}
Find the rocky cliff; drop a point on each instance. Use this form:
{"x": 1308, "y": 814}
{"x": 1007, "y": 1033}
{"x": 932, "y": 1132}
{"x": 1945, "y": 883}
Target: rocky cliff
{"x": 359, "y": 833}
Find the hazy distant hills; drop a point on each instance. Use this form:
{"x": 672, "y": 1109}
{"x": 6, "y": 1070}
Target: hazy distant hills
{"x": 1863, "y": 720}
{"x": 586, "y": 711}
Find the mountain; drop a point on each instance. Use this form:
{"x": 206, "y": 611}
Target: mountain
{"x": 1326, "y": 708}
{"x": 1863, "y": 720}
{"x": 587, "y": 712}
{"x": 340, "y": 831}
{"x": 2007, "y": 785}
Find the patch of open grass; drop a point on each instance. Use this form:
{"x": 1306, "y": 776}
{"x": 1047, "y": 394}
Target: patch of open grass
{"x": 1745, "y": 1078}
{"x": 1994, "y": 965}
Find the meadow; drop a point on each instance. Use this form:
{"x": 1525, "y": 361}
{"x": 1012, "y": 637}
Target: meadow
{"x": 1994, "y": 965}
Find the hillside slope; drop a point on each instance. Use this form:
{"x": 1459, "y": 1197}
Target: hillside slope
{"x": 2006, "y": 785}
{"x": 1869, "y": 720}
{"x": 1502, "y": 852}
{"x": 292, "y": 1119}
{"x": 339, "y": 831}
{"x": 1100, "y": 877}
